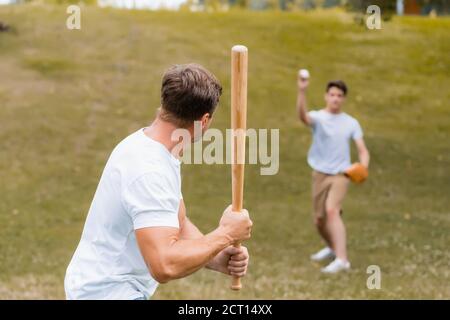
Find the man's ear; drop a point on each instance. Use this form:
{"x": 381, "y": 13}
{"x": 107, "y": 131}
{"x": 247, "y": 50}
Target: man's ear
{"x": 205, "y": 120}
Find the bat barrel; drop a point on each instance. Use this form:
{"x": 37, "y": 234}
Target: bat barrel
{"x": 239, "y": 74}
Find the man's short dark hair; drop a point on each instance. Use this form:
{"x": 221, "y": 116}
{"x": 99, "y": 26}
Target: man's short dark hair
{"x": 337, "y": 84}
{"x": 188, "y": 91}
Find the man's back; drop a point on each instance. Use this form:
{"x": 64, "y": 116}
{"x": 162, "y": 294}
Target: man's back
{"x": 140, "y": 187}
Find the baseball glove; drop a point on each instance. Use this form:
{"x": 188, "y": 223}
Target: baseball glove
{"x": 357, "y": 173}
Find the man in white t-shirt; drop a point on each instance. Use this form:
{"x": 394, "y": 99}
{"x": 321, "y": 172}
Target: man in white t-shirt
{"x": 137, "y": 233}
{"x": 329, "y": 157}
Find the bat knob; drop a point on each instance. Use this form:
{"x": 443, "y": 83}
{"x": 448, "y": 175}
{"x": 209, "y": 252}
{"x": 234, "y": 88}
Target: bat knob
{"x": 239, "y": 48}
{"x": 236, "y": 286}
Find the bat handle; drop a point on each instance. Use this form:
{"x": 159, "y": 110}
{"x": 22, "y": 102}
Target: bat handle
{"x": 236, "y": 281}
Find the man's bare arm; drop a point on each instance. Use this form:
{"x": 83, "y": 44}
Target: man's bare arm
{"x": 231, "y": 260}
{"x": 169, "y": 257}
{"x": 363, "y": 152}
{"x": 187, "y": 229}
{"x": 302, "y": 85}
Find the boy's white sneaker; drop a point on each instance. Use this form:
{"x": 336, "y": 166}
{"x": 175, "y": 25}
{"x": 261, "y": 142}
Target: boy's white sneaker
{"x": 336, "y": 266}
{"x": 323, "y": 254}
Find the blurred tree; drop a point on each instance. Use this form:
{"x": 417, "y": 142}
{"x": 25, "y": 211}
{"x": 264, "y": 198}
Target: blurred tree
{"x": 388, "y": 7}
{"x": 439, "y": 6}
{"x": 361, "y": 5}
{"x": 62, "y": 1}
{"x": 310, "y": 4}
{"x": 331, "y": 3}
{"x": 272, "y": 4}
{"x": 242, "y": 3}
{"x": 4, "y": 27}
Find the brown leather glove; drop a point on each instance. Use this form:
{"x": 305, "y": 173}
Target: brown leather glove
{"x": 357, "y": 173}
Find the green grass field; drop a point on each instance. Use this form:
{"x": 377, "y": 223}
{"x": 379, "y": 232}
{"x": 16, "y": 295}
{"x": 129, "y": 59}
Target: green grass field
{"x": 68, "y": 97}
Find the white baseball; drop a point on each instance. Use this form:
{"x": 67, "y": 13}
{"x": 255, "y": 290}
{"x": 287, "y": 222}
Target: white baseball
{"x": 304, "y": 74}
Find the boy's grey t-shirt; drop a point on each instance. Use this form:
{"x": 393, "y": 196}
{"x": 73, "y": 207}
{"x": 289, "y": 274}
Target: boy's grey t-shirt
{"x": 140, "y": 187}
{"x": 330, "y": 149}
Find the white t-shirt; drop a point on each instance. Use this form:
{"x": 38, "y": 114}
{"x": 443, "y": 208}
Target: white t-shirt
{"x": 330, "y": 149}
{"x": 140, "y": 187}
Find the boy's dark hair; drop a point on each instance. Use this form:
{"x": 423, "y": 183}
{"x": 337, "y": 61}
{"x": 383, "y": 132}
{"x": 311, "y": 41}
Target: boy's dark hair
{"x": 337, "y": 84}
{"x": 188, "y": 91}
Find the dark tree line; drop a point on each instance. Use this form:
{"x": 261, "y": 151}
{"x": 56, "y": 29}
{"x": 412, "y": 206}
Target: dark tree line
{"x": 387, "y": 6}
{"x": 441, "y": 6}
{"x": 4, "y": 27}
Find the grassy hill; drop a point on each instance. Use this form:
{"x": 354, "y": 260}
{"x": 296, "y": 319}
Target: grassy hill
{"x": 68, "y": 97}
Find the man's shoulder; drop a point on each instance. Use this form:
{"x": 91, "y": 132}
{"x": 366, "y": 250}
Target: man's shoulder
{"x": 149, "y": 176}
{"x": 124, "y": 148}
{"x": 154, "y": 171}
{"x": 136, "y": 149}
{"x": 128, "y": 140}
{"x": 350, "y": 118}
{"x": 145, "y": 161}
{"x": 316, "y": 113}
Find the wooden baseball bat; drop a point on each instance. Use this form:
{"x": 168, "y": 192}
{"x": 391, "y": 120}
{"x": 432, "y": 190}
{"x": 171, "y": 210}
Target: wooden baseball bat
{"x": 239, "y": 66}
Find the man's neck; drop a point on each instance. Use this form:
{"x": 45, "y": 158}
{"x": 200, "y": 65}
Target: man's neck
{"x": 161, "y": 131}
